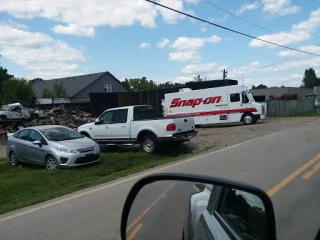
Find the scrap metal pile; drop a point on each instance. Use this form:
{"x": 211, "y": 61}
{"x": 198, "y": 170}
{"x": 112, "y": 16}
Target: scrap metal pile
{"x": 55, "y": 116}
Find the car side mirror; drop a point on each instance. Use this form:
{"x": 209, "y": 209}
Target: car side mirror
{"x": 38, "y": 142}
{"x": 185, "y": 206}
{"x": 97, "y": 121}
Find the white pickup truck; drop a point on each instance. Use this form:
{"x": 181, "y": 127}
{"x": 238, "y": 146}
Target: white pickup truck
{"x": 138, "y": 124}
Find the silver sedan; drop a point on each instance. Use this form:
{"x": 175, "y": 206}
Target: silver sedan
{"x": 52, "y": 146}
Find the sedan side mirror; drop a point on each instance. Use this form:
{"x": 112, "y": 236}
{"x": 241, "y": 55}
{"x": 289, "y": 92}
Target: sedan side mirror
{"x": 186, "y": 206}
{"x": 37, "y": 142}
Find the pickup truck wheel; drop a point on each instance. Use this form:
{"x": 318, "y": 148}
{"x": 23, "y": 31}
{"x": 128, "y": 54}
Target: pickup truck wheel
{"x": 149, "y": 144}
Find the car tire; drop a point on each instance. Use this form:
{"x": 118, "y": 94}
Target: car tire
{"x": 248, "y": 119}
{"x": 13, "y": 159}
{"x": 149, "y": 144}
{"x": 51, "y": 163}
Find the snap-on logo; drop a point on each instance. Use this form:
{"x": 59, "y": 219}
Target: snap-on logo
{"x": 177, "y": 102}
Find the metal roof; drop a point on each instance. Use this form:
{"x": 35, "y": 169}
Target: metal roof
{"x": 73, "y": 85}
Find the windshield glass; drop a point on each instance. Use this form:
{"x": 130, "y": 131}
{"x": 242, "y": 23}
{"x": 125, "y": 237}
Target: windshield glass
{"x": 249, "y": 95}
{"x": 4, "y": 108}
{"x": 60, "y": 134}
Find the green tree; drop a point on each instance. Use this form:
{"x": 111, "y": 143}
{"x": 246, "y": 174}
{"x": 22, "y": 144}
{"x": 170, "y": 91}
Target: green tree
{"x": 198, "y": 78}
{"x": 36, "y": 80}
{"x": 170, "y": 85}
{"x": 4, "y": 77}
{"x": 260, "y": 86}
{"x": 310, "y": 79}
{"x": 139, "y": 84}
{"x": 17, "y": 89}
{"x": 57, "y": 91}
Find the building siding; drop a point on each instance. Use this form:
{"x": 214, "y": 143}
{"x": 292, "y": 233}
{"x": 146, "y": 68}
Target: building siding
{"x": 301, "y": 92}
{"x": 98, "y": 86}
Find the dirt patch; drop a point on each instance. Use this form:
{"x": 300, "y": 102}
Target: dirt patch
{"x": 221, "y": 136}
{"x": 2, "y": 151}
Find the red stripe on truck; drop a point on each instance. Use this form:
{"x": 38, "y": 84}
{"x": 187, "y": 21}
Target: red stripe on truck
{"x": 216, "y": 112}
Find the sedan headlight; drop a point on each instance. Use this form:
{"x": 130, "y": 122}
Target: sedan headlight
{"x": 65, "y": 149}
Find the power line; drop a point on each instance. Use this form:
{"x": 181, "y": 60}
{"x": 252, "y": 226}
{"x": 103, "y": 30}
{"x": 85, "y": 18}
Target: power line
{"x": 231, "y": 30}
{"x": 286, "y": 19}
{"x": 256, "y": 25}
{"x": 311, "y": 4}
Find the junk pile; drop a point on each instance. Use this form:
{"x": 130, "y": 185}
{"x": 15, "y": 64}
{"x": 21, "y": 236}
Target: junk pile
{"x": 55, "y": 116}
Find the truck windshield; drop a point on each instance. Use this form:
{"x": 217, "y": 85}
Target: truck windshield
{"x": 250, "y": 97}
{"x": 144, "y": 113}
{"x": 5, "y": 108}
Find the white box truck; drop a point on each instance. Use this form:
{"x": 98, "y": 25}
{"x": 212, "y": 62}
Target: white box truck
{"x": 229, "y": 104}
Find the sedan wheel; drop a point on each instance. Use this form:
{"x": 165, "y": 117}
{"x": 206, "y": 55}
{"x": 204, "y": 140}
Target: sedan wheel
{"x": 52, "y": 163}
{"x": 13, "y": 159}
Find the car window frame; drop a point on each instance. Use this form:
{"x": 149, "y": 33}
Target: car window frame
{"x": 119, "y": 110}
{"x": 43, "y": 138}
{"x": 23, "y": 130}
{"x": 147, "y": 118}
{"x": 111, "y": 111}
{"x": 235, "y": 94}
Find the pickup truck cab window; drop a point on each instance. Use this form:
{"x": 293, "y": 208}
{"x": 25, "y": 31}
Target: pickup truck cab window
{"x": 242, "y": 217}
{"x": 106, "y": 118}
{"x": 144, "y": 113}
{"x": 120, "y": 116}
{"x": 16, "y": 109}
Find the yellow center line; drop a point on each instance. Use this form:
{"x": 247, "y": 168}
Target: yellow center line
{"x": 134, "y": 232}
{"x": 148, "y": 208}
{"x": 311, "y": 172}
{"x": 292, "y": 176}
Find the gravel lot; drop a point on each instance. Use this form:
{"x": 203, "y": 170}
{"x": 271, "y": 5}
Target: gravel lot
{"x": 227, "y": 135}
{"x": 223, "y": 136}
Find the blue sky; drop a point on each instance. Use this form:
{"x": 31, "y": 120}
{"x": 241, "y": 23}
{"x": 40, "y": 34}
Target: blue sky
{"x": 134, "y": 38}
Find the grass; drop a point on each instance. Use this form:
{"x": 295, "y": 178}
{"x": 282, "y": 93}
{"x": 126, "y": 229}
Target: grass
{"x": 313, "y": 113}
{"x": 28, "y": 184}
{"x": 200, "y": 186}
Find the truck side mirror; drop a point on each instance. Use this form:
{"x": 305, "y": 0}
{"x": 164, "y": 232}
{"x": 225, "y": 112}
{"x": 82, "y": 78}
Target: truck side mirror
{"x": 97, "y": 121}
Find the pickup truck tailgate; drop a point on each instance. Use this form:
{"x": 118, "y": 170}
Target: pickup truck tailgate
{"x": 184, "y": 124}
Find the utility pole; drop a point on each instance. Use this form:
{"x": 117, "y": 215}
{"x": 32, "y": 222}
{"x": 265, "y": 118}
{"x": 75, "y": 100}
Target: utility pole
{"x": 224, "y": 76}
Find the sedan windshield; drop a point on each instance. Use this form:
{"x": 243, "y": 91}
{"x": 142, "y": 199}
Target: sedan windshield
{"x": 60, "y": 134}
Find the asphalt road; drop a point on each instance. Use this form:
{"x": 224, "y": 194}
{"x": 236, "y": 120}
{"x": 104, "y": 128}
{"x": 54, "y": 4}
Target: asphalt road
{"x": 286, "y": 164}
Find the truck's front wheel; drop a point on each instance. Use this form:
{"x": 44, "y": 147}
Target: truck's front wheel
{"x": 248, "y": 119}
{"x": 149, "y": 144}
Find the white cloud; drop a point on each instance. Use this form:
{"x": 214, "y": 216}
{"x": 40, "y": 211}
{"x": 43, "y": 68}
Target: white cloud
{"x": 169, "y": 16}
{"x": 38, "y": 53}
{"x": 247, "y": 7}
{"x": 186, "y": 49}
{"x": 192, "y": 56}
{"x": 16, "y": 25}
{"x": 208, "y": 68}
{"x": 204, "y": 29}
{"x": 311, "y": 48}
{"x": 185, "y": 43}
{"x": 163, "y": 43}
{"x": 219, "y": 19}
{"x": 81, "y": 17}
{"x": 144, "y": 45}
{"x": 74, "y": 29}
{"x": 298, "y": 32}
{"x": 282, "y": 7}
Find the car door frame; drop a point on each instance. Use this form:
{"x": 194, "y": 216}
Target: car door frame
{"x": 36, "y": 149}
{"x": 116, "y": 126}
{"x": 104, "y": 128}
{"x": 23, "y": 146}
